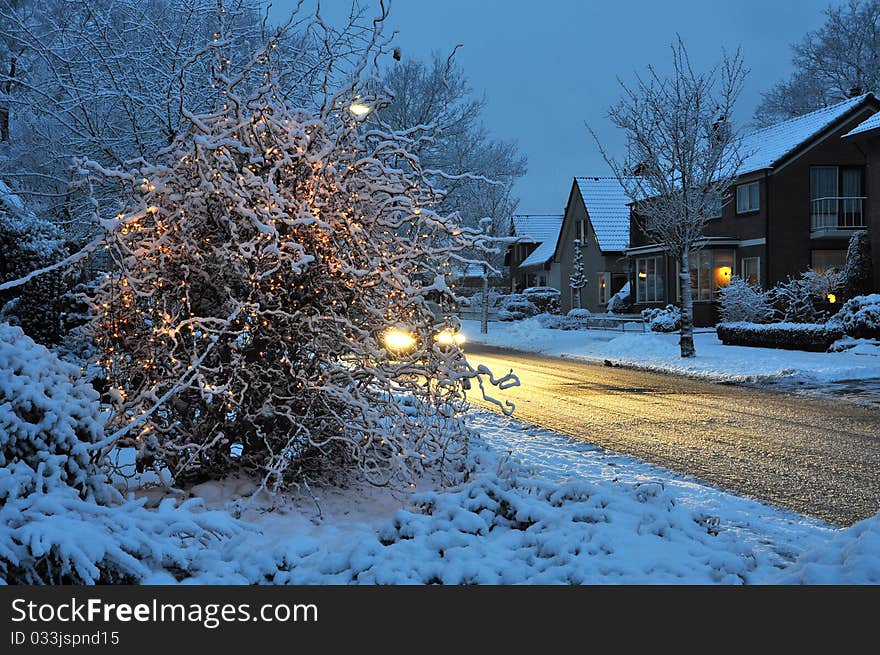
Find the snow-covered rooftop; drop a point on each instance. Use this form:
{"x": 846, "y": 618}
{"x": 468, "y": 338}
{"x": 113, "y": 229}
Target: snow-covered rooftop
{"x": 608, "y": 207}
{"x": 871, "y": 124}
{"x": 542, "y": 229}
{"x": 765, "y": 147}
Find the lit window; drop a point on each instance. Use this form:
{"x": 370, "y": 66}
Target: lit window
{"x": 710, "y": 271}
{"x": 824, "y": 260}
{"x": 604, "y": 281}
{"x": 748, "y": 197}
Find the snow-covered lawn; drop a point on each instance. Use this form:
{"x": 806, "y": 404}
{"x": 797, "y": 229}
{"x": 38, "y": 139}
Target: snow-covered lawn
{"x": 538, "y": 508}
{"x": 660, "y": 352}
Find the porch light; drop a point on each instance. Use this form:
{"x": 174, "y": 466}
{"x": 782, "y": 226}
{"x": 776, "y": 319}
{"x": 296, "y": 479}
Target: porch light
{"x": 643, "y": 275}
{"x": 832, "y": 298}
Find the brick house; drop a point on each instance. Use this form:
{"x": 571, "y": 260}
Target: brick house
{"x": 806, "y": 184}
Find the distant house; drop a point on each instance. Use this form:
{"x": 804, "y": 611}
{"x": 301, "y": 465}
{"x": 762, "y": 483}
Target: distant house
{"x": 806, "y": 184}
{"x": 530, "y": 258}
{"x": 598, "y": 216}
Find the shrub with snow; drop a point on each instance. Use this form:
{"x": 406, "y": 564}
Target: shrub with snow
{"x": 621, "y": 302}
{"x": 515, "y": 307}
{"x": 802, "y": 299}
{"x": 743, "y": 303}
{"x": 59, "y": 522}
{"x": 260, "y": 265}
{"x": 47, "y": 416}
{"x": 546, "y": 299}
{"x": 665, "y": 319}
{"x": 859, "y": 317}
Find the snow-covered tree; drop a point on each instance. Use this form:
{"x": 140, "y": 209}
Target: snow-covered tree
{"x": 106, "y": 80}
{"x": 832, "y": 63}
{"x": 743, "y": 303}
{"x": 858, "y": 273}
{"x": 27, "y": 243}
{"x": 257, "y": 270}
{"x": 682, "y": 157}
{"x": 476, "y": 171}
{"x": 577, "y": 280}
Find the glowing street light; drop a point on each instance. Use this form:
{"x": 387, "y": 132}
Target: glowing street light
{"x": 359, "y": 109}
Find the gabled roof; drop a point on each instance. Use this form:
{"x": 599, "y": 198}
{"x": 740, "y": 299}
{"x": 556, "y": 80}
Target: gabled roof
{"x": 767, "y": 147}
{"x": 871, "y": 123}
{"x": 608, "y": 207}
{"x": 542, "y": 229}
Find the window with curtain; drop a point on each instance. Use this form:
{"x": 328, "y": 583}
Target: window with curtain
{"x": 649, "y": 279}
{"x": 852, "y": 192}
{"x": 751, "y": 270}
{"x": 823, "y": 196}
{"x": 748, "y": 197}
{"x": 710, "y": 270}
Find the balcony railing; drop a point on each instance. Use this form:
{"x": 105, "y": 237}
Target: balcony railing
{"x": 837, "y": 213}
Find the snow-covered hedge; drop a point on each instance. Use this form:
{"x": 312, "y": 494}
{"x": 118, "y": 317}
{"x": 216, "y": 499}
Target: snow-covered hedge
{"x": 859, "y": 317}
{"x": 516, "y": 307}
{"x": 546, "y": 299}
{"x": 665, "y": 319}
{"x": 816, "y": 337}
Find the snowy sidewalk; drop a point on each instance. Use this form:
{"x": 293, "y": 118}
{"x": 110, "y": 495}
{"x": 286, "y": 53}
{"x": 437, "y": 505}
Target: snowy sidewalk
{"x": 660, "y": 352}
{"x": 538, "y": 508}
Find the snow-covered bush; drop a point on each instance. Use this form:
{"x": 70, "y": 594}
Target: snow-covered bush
{"x": 28, "y": 243}
{"x": 802, "y": 299}
{"x": 59, "y": 522}
{"x": 816, "y": 337}
{"x": 662, "y": 319}
{"x": 858, "y": 272}
{"x": 743, "y": 303}
{"x": 546, "y": 299}
{"x": 859, "y": 317}
{"x": 258, "y": 268}
{"x": 515, "y": 307}
{"x": 621, "y": 302}
{"x": 48, "y": 417}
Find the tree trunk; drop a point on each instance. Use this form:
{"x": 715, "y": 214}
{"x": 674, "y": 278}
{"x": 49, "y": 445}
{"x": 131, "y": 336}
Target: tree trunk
{"x": 686, "y": 340}
{"x": 577, "y": 298}
{"x": 484, "y": 305}
{"x": 5, "y": 106}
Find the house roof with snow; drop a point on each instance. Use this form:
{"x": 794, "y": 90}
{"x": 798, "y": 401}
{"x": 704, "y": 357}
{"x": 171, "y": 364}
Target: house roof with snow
{"x": 865, "y": 126}
{"x": 542, "y": 229}
{"x": 608, "y": 207}
{"x": 767, "y": 147}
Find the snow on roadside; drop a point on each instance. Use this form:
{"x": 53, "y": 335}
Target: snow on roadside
{"x": 539, "y": 508}
{"x": 660, "y": 352}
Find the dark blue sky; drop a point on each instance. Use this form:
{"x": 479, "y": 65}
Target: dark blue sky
{"x": 548, "y": 66}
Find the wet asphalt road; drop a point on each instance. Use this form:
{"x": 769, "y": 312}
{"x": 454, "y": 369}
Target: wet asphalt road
{"x": 816, "y": 456}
